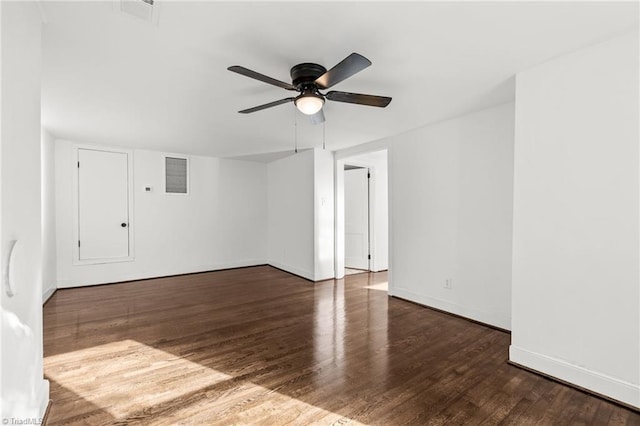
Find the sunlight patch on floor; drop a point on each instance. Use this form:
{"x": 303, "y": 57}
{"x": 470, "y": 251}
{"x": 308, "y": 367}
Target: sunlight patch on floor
{"x": 115, "y": 377}
{"x": 351, "y": 271}
{"x": 383, "y": 286}
{"x": 97, "y": 375}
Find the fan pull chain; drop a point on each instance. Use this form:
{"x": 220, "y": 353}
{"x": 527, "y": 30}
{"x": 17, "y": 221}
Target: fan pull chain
{"x": 295, "y": 130}
{"x": 324, "y": 145}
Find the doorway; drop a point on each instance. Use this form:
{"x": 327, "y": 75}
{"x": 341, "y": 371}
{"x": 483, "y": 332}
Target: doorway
{"x": 362, "y": 213}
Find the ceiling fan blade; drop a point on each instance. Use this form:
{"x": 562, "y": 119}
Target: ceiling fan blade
{"x": 317, "y": 118}
{"x": 349, "y": 66}
{"x": 357, "y": 98}
{"x": 265, "y": 106}
{"x": 261, "y": 77}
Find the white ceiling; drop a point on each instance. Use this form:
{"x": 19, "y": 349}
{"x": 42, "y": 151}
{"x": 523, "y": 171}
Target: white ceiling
{"x": 114, "y": 79}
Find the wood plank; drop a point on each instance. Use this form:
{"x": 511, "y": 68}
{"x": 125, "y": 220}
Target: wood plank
{"x": 260, "y": 346}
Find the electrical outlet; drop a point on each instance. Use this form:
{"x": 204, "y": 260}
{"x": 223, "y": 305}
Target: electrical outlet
{"x": 448, "y": 283}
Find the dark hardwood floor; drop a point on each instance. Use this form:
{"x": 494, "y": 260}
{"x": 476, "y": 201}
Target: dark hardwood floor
{"x": 260, "y": 346}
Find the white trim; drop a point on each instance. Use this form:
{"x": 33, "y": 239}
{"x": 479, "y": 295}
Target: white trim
{"x": 47, "y": 294}
{"x": 600, "y": 383}
{"x": 117, "y": 278}
{"x": 339, "y": 249}
{"x": 338, "y": 220}
{"x": 296, "y": 271}
{"x": 166, "y": 155}
{"x": 196, "y": 270}
{"x": 390, "y": 238}
{"x": 43, "y": 398}
{"x": 130, "y": 185}
{"x": 454, "y": 308}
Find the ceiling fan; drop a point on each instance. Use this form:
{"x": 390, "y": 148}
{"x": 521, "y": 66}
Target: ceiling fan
{"x": 309, "y": 79}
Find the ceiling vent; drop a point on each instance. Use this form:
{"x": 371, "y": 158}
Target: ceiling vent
{"x": 142, "y": 9}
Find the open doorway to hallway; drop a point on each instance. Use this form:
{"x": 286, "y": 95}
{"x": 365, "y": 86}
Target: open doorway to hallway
{"x": 362, "y": 212}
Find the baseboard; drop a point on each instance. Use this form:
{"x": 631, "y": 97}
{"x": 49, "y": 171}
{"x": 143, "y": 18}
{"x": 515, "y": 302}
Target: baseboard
{"x": 65, "y": 284}
{"x": 160, "y": 274}
{"x": 43, "y": 398}
{"x": 591, "y": 381}
{"x": 47, "y": 295}
{"x": 307, "y": 275}
{"x": 491, "y": 319}
{"x": 45, "y": 417}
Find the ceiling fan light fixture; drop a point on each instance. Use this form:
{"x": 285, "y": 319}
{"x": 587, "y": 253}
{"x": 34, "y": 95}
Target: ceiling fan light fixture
{"x": 309, "y": 103}
{"x": 308, "y": 79}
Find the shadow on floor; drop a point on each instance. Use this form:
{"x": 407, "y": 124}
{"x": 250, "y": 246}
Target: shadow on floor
{"x": 258, "y": 345}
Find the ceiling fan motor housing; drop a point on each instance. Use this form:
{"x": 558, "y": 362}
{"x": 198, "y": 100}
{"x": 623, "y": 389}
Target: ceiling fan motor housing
{"x": 304, "y": 75}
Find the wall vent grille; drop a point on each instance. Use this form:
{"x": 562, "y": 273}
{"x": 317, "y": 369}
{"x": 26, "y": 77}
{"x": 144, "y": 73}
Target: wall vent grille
{"x": 142, "y": 9}
{"x": 176, "y": 175}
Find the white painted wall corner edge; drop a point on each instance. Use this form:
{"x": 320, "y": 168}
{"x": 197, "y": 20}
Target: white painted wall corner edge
{"x": 309, "y": 275}
{"x": 444, "y": 305}
{"x": 43, "y": 398}
{"x": 47, "y": 294}
{"x": 602, "y": 384}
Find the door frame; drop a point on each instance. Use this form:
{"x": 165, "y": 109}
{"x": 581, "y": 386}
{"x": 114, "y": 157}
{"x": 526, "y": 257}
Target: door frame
{"x": 340, "y": 218}
{"x": 76, "y": 204}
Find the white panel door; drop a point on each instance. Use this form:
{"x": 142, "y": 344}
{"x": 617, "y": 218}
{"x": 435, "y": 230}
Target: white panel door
{"x": 356, "y": 218}
{"x": 103, "y": 205}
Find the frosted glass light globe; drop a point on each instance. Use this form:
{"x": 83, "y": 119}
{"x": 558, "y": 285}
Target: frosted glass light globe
{"x": 309, "y": 104}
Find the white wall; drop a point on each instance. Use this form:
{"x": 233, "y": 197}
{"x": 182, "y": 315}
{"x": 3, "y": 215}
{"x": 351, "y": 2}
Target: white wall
{"x": 24, "y": 393}
{"x": 220, "y": 224}
{"x": 301, "y": 214}
{"x": 450, "y": 198}
{"x": 324, "y": 215}
{"x": 291, "y": 215}
{"x": 576, "y": 296}
{"x": 49, "y": 258}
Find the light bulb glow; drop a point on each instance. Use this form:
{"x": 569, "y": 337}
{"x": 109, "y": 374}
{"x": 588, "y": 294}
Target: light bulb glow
{"x": 309, "y": 104}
